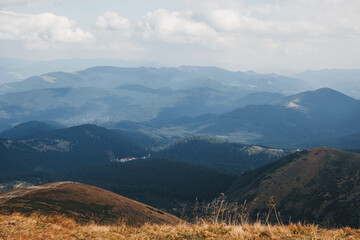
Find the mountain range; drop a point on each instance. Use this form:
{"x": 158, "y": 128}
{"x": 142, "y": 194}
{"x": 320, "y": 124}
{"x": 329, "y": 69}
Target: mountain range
{"x": 177, "y": 137}
{"x": 172, "y": 103}
{"x": 110, "y": 94}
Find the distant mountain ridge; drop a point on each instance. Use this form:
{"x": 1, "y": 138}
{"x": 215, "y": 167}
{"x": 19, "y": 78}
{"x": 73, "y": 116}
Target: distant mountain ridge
{"x": 291, "y": 122}
{"x": 323, "y": 100}
{"x": 111, "y": 94}
{"x": 344, "y": 80}
{"x": 176, "y": 78}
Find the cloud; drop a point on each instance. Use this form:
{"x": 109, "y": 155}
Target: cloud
{"x": 246, "y": 33}
{"x": 24, "y": 3}
{"x": 298, "y": 18}
{"x": 174, "y": 27}
{"x": 45, "y": 27}
{"x": 231, "y": 20}
{"x": 112, "y": 21}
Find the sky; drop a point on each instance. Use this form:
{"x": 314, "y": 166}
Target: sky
{"x": 283, "y": 36}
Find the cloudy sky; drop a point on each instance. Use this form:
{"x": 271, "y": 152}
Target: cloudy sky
{"x": 265, "y": 36}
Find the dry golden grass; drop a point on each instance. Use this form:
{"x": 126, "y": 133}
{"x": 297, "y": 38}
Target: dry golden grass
{"x": 17, "y": 226}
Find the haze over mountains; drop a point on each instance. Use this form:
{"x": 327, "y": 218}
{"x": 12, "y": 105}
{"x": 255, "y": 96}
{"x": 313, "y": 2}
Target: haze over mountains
{"x": 11, "y": 70}
{"x": 179, "y": 102}
{"x": 346, "y": 81}
{"x": 103, "y": 94}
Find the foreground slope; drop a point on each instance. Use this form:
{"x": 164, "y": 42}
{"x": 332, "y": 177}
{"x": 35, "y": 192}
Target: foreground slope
{"x": 321, "y": 185}
{"x": 46, "y": 228}
{"x": 81, "y": 202}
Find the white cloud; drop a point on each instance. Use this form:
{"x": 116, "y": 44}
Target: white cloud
{"x": 233, "y": 20}
{"x": 24, "y": 3}
{"x": 174, "y": 27}
{"x": 112, "y": 21}
{"x": 46, "y": 27}
{"x": 246, "y": 33}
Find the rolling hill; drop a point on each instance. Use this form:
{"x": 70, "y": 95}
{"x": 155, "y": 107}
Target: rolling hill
{"x": 259, "y": 98}
{"x": 319, "y": 185}
{"x": 81, "y": 202}
{"x": 220, "y": 154}
{"x": 31, "y": 129}
{"x": 66, "y": 149}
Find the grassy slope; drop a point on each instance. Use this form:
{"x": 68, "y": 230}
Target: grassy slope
{"x": 320, "y": 185}
{"x": 17, "y": 226}
{"x": 81, "y": 202}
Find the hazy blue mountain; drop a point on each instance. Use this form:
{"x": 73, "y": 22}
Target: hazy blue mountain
{"x": 348, "y": 142}
{"x": 195, "y": 102}
{"x": 31, "y": 129}
{"x": 292, "y": 122}
{"x": 128, "y": 102}
{"x": 89, "y": 105}
{"x": 344, "y": 80}
{"x": 259, "y": 98}
{"x": 321, "y": 101}
{"x": 299, "y": 118}
{"x": 12, "y": 69}
{"x": 69, "y": 106}
{"x": 112, "y": 94}
{"x": 175, "y": 78}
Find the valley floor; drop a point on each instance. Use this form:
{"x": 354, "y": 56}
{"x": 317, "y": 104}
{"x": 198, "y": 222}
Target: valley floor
{"x": 18, "y": 226}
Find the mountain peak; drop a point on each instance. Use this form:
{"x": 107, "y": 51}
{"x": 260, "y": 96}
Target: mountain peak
{"x": 327, "y": 90}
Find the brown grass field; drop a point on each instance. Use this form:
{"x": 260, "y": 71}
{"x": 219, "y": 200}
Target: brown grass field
{"x": 17, "y": 226}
